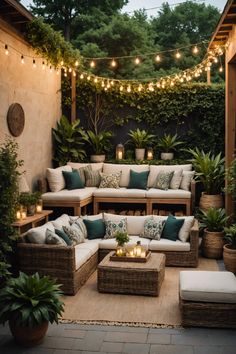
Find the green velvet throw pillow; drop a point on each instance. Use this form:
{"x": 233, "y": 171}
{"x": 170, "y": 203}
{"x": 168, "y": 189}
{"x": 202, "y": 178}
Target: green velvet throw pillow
{"x": 95, "y": 228}
{"x": 64, "y": 236}
{"x": 171, "y": 228}
{"x": 72, "y": 180}
{"x": 138, "y": 180}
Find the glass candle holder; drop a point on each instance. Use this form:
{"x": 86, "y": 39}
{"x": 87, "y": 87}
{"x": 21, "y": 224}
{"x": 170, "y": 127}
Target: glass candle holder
{"x": 39, "y": 206}
{"x": 120, "y": 152}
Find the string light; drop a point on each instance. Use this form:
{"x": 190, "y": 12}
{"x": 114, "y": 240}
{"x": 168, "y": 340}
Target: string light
{"x": 76, "y": 63}
{"x": 62, "y": 63}
{"x": 95, "y": 80}
{"x": 43, "y": 65}
{"x": 6, "y": 49}
{"x": 57, "y": 72}
{"x": 137, "y": 61}
{"x": 113, "y": 63}
{"x": 128, "y": 88}
{"x": 158, "y": 58}
{"x": 81, "y": 76}
{"x": 22, "y": 59}
{"x": 70, "y": 70}
{"x": 92, "y": 64}
{"x": 88, "y": 77}
{"x": 121, "y": 88}
{"x": 195, "y": 50}
{"x": 34, "y": 63}
{"x": 177, "y": 55}
{"x": 221, "y": 69}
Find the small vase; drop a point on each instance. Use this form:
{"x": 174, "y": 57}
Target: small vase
{"x": 139, "y": 154}
{"x": 167, "y": 155}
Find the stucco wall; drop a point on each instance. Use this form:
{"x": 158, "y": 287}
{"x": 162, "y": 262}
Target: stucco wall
{"x": 38, "y": 91}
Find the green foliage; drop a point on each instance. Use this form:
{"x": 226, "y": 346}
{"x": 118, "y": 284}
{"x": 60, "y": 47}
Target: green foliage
{"x": 213, "y": 219}
{"x": 69, "y": 141}
{"x": 209, "y": 170}
{"x": 140, "y": 138}
{"x": 231, "y": 180}
{"x": 27, "y": 199}
{"x": 100, "y": 142}
{"x": 230, "y": 235}
{"x": 121, "y": 238}
{"x": 169, "y": 142}
{"x": 9, "y": 174}
{"x": 51, "y": 44}
{"x": 30, "y": 300}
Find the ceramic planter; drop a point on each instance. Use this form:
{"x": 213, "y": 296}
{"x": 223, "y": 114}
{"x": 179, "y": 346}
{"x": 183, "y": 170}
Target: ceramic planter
{"x": 167, "y": 155}
{"x": 97, "y": 158}
{"x": 139, "y": 154}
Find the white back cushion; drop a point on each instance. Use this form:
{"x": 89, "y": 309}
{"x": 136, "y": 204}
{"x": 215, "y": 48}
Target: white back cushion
{"x": 125, "y": 169}
{"x": 63, "y": 220}
{"x": 135, "y": 224}
{"x": 55, "y": 178}
{"x": 38, "y": 234}
{"x": 154, "y": 170}
{"x": 77, "y": 165}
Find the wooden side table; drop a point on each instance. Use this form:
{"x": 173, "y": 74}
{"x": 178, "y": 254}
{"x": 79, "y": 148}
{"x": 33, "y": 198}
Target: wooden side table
{"x": 32, "y": 221}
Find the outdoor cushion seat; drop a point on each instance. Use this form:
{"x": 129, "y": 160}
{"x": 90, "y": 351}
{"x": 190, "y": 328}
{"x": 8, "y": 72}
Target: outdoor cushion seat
{"x": 208, "y": 286}
{"x": 69, "y": 195}
{"x": 119, "y": 193}
{"x": 81, "y": 256}
{"x": 168, "y": 245}
{"x": 91, "y": 246}
{"x": 168, "y": 194}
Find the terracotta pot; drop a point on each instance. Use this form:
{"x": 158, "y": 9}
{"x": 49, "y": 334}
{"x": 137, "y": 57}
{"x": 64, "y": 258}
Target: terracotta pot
{"x": 212, "y": 244}
{"x": 27, "y": 336}
{"x": 211, "y": 201}
{"x": 167, "y": 155}
{"x": 97, "y": 158}
{"x": 229, "y": 255}
{"x": 139, "y": 154}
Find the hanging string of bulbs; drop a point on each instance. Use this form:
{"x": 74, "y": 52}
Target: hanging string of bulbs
{"x": 150, "y": 84}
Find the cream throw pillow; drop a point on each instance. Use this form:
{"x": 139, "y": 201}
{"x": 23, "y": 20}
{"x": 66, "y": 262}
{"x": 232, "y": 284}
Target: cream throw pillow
{"x": 184, "y": 232}
{"x": 176, "y": 179}
{"x": 186, "y": 180}
{"x": 55, "y": 178}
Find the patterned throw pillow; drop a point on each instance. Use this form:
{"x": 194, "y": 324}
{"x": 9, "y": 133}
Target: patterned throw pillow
{"x": 81, "y": 226}
{"x": 82, "y": 170}
{"x": 110, "y": 180}
{"x": 92, "y": 178}
{"x": 74, "y": 234}
{"x": 163, "y": 180}
{"x": 113, "y": 226}
{"x": 153, "y": 229}
{"x": 53, "y": 239}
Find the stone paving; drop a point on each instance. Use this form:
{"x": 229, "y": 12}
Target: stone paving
{"x": 95, "y": 339}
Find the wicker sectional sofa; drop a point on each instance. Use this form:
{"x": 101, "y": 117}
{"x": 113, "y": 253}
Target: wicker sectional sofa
{"x": 79, "y": 198}
{"x": 72, "y": 265}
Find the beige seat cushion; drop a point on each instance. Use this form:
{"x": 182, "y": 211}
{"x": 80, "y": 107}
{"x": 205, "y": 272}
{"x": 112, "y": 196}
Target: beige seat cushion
{"x": 91, "y": 246}
{"x": 125, "y": 169}
{"x": 168, "y": 245}
{"x": 120, "y": 193}
{"x": 169, "y": 194}
{"x": 208, "y": 286}
{"x": 81, "y": 256}
{"x": 69, "y": 195}
{"x": 154, "y": 170}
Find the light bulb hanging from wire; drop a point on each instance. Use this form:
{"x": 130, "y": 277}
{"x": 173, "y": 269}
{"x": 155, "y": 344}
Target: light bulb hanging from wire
{"x": 6, "y": 49}
{"x": 113, "y": 63}
{"x": 22, "y": 59}
{"x": 137, "y": 61}
{"x": 195, "y": 50}
{"x": 92, "y": 64}
{"x": 178, "y": 55}
{"x": 158, "y": 58}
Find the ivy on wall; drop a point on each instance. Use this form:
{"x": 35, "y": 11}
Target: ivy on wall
{"x": 194, "y": 111}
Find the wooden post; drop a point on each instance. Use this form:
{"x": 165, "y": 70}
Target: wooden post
{"x": 230, "y": 117}
{"x": 208, "y": 77}
{"x": 73, "y": 98}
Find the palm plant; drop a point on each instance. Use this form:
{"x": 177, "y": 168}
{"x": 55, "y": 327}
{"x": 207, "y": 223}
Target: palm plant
{"x": 213, "y": 219}
{"x": 69, "y": 141}
{"x": 100, "y": 143}
{"x": 169, "y": 142}
{"x": 230, "y": 235}
{"x": 209, "y": 170}
{"x": 140, "y": 138}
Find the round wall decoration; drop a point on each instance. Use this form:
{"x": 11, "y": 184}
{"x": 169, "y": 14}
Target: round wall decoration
{"x": 16, "y": 119}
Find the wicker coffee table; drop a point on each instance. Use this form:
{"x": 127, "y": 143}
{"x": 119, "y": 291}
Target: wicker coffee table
{"x": 131, "y": 278}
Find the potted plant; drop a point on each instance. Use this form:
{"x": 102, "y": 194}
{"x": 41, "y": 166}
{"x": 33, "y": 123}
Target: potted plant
{"x": 168, "y": 143}
{"x": 29, "y": 303}
{"x": 229, "y": 250}
{"x": 140, "y": 139}
{"x": 210, "y": 172}
{"x": 231, "y": 180}
{"x": 100, "y": 144}
{"x": 213, "y": 222}
{"x": 121, "y": 239}
{"x": 29, "y": 201}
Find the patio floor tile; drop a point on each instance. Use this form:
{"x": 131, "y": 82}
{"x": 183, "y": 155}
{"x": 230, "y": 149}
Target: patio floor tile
{"x": 126, "y": 337}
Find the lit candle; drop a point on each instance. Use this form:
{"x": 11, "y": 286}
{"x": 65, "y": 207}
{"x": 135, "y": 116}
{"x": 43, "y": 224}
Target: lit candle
{"x": 138, "y": 252}
{"x": 23, "y": 215}
{"x": 131, "y": 253}
{"x": 38, "y": 208}
{"x": 120, "y": 155}
{"x": 143, "y": 254}
{"x": 119, "y": 252}
{"x": 18, "y": 215}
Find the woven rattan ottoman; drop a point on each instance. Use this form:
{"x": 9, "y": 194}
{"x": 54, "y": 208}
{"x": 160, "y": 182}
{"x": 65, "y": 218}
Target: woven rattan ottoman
{"x": 130, "y": 277}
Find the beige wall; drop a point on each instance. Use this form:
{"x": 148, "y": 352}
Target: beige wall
{"x": 38, "y": 91}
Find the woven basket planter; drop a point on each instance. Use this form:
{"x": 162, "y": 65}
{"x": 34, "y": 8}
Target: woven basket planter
{"x": 211, "y": 201}
{"x": 212, "y": 244}
{"x": 229, "y": 255}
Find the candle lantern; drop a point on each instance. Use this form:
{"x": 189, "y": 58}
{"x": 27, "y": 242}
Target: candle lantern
{"x": 120, "y": 152}
{"x": 39, "y": 206}
{"x": 23, "y": 213}
{"x": 18, "y": 214}
{"x": 149, "y": 153}
{"x": 138, "y": 249}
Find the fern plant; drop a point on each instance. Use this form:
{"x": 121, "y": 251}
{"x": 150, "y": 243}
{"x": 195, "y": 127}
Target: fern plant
{"x": 169, "y": 143}
{"x": 69, "y": 141}
{"x": 140, "y": 138}
{"x": 209, "y": 170}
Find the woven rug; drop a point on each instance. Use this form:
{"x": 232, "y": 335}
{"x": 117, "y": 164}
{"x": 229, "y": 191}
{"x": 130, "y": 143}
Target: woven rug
{"x": 90, "y": 306}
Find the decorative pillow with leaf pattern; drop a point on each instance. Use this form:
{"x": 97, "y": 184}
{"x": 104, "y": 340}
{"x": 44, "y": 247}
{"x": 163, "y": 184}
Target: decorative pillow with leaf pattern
{"x": 54, "y": 239}
{"x": 110, "y": 180}
{"x": 163, "y": 180}
{"x": 153, "y": 229}
{"x": 112, "y": 227}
